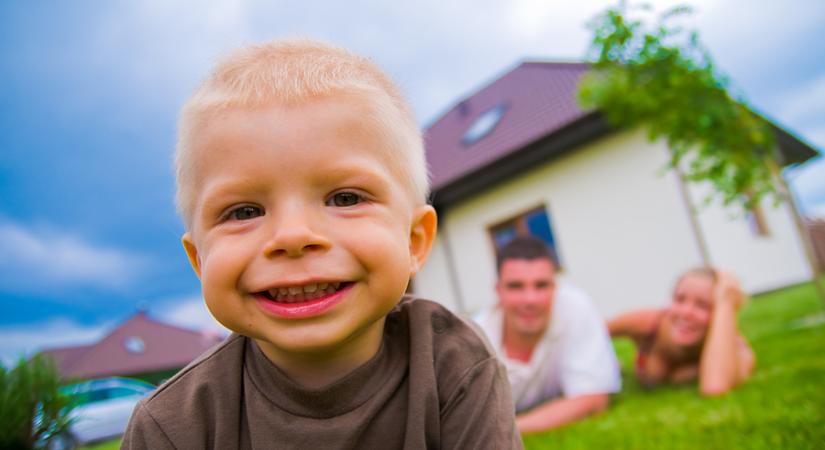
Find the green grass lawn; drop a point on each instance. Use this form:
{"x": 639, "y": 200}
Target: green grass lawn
{"x": 111, "y": 445}
{"x": 781, "y": 407}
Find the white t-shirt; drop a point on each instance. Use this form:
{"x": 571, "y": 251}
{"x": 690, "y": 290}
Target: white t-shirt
{"x": 574, "y": 357}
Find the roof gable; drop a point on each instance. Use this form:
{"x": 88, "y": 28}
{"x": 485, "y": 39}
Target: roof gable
{"x": 160, "y": 346}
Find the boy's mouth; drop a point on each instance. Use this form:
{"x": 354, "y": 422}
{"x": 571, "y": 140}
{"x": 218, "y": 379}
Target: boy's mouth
{"x": 303, "y": 293}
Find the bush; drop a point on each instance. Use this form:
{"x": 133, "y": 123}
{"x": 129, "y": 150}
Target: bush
{"x": 32, "y": 409}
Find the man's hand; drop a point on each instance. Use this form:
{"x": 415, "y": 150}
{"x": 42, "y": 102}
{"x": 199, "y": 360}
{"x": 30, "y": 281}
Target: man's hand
{"x": 561, "y": 411}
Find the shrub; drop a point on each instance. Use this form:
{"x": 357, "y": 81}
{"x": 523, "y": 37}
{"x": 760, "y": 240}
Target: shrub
{"x": 32, "y": 409}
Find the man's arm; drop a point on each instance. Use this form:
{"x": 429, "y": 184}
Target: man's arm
{"x": 588, "y": 369}
{"x": 561, "y": 411}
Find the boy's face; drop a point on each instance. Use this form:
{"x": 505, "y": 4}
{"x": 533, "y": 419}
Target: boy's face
{"x": 302, "y": 234}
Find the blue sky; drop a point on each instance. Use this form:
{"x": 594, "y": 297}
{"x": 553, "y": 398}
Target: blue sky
{"x": 90, "y": 93}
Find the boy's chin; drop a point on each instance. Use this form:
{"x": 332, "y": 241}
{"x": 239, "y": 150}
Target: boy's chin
{"x": 315, "y": 343}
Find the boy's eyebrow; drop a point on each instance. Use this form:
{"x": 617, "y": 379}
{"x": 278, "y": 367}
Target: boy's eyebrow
{"x": 345, "y": 173}
{"x": 216, "y": 190}
{"x": 361, "y": 170}
{"x": 357, "y": 172}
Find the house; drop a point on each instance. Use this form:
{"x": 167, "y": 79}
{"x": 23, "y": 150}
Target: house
{"x": 520, "y": 156}
{"x": 140, "y": 347}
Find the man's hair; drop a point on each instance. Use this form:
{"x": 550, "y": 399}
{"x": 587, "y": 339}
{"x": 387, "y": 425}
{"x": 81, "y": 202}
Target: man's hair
{"x": 291, "y": 72}
{"x": 524, "y": 247}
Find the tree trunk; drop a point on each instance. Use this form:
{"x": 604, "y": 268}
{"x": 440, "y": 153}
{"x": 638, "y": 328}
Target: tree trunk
{"x": 786, "y": 196}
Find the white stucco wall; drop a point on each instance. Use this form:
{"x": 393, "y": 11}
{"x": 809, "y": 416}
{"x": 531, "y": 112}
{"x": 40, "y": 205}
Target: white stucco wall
{"x": 433, "y": 280}
{"x": 622, "y": 229}
{"x": 762, "y": 263}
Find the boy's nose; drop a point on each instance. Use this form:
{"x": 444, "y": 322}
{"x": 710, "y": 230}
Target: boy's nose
{"x": 293, "y": 235}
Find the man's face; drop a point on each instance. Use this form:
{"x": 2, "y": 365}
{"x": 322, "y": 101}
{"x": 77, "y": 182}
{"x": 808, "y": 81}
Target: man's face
{"x": 302, "y": 235}
{"x": 526, "y": 288}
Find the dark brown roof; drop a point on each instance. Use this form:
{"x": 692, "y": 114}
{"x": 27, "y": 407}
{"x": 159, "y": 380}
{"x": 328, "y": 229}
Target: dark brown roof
{"x": 539, "y": 99}
{"x": 164, "y": 347}
{"x": 541, "y": 119}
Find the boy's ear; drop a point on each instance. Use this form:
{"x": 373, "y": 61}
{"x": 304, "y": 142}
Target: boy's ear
{"x": 192, "y": 253}
{"x": 422, "y": 236}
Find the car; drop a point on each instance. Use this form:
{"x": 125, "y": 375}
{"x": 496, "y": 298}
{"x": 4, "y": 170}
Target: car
{"x": 102, "y": 410}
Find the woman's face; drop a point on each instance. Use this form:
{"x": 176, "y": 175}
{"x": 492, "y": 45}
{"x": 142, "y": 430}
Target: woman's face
{"x": 691, "y": 309}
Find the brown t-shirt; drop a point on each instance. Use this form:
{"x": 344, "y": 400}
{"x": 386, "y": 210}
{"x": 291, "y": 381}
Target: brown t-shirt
{"x": 433, "y": 384}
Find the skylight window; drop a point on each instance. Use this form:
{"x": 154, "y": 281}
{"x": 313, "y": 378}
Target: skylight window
{"x": 134, "y": 344}
{"x": 484, "y": 124}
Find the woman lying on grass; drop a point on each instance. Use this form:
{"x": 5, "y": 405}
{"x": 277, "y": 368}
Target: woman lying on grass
{"x": 695, "y": 337}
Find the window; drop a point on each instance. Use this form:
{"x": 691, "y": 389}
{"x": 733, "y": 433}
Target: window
{"x": 134, "y": 344}
{"x": 483, "y": 124}
{"x": 535, "y": 222}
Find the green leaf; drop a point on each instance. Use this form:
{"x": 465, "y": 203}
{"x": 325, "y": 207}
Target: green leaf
{"x": 662, "y": 78}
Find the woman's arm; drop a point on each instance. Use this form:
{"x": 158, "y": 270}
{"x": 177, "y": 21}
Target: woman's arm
{"x": 635, "y": 324}
{"x": 727, "y": 359}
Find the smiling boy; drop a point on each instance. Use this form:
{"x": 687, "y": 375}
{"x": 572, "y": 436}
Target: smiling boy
{"x": 302, "y": 185}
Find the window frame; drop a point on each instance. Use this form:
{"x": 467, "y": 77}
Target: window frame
{"x": 522, "y": 229}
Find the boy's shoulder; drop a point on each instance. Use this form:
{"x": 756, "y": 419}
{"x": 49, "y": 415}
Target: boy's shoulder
{"x": 209, "y": 386}
{"x": 429, "y": 320}
{"x": 454, "y": 346}
{"x": 218, "y": 361}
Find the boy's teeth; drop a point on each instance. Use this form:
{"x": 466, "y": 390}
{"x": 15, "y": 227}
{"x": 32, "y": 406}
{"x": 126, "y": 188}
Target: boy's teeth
{"x": 292, "y": 294}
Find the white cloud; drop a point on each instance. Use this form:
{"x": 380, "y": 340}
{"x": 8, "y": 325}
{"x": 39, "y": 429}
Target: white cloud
{"x": 24, "y": 340}
{"x": 188, "y": 312}
{"x": 437, "y": 50}
{"x": 37, "y": 260}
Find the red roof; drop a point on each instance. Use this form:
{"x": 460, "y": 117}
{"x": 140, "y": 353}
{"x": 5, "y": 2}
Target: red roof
{"x": 539, "y": 97}
{"x": 139, "y": 345}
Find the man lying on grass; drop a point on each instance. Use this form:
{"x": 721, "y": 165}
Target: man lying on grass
{"x": 559, "y": 359}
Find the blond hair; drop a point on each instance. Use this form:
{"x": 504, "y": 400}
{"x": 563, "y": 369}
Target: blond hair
{"x": 698, "y": 271}
{"x": 290, "y": 72}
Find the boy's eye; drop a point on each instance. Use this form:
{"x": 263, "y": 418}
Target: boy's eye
{"x": 343, "y": 199}
{"x": 245, "y": 213}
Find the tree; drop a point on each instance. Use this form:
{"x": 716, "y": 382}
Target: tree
{"x": 33, "y": 411}
{"x": 661, "y": 77}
